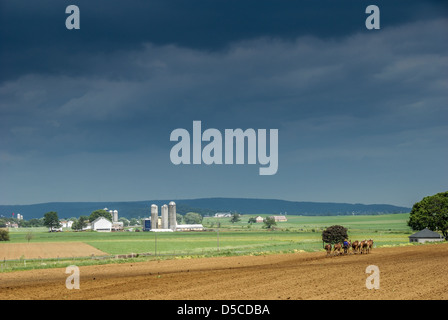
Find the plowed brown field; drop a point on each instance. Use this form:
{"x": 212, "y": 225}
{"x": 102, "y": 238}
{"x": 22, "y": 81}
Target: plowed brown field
{"x": 10, "y": 251}
{"x": 411, "y": 272}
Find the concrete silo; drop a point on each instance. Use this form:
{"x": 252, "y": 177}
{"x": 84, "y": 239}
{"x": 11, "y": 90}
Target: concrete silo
{"x": 172, "y": 215}
{"x": 154, "y": 216}
{"x": 165, "y": 223}
{"x": 115, "y": 216}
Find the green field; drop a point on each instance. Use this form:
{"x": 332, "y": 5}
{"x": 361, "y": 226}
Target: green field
{"x": 298, "y": 233}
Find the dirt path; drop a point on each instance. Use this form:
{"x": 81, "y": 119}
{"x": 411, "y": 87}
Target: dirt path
{"x": 412, "y": 272}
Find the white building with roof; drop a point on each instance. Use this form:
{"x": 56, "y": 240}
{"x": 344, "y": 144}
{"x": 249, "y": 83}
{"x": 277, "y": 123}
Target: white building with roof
{"x": 425, "y": 235}
{"x": 189, "y": 227}
{"x": 223, "y": 215}
{"x": 66, "y": 223}
{"x": 279, "y": 218}
{"x": 101, "y": 224}
{"x": 259, "y": 219}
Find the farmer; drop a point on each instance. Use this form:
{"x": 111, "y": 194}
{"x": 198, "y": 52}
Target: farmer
{"x": 346, "y": 245}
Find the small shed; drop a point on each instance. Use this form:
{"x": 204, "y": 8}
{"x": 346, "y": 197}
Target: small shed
{"x": 425, "y": 235}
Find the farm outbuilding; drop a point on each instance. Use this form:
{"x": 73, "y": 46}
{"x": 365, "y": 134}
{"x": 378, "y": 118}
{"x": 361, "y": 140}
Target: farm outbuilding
{"x": 117, "y": 226}
{"x": 425, "y": 235}
{"x": 189, "y": 227}
{"x": 279, "y": 218}
{"x": 102, "y": 224}
{"x": 259, "y": 219}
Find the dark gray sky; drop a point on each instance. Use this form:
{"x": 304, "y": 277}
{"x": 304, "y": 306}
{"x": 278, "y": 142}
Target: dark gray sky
{"x": 86, "y": 115}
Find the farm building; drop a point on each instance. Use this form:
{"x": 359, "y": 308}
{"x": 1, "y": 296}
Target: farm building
{"x": 279, "y": 218}
{"x": 66, "y": 223}
{"x": 11, "y": 225}
{"x": 102, "y": 224}
{"x": 117, "y": 226}
{"x": 425, "y": 235}
{"x": 189, "y": 227}
{"x": 259, "y": 219}
{"x": 223, "y": 215}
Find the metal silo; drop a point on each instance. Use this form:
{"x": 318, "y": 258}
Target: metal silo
{"x": 154, "y": 216}
{"x": 165, "y": 224}
{"x": 172, "y": 215}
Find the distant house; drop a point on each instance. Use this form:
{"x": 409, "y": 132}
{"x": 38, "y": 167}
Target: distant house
{"x": 102, "y": 224}
{"x": 223, "y": 214}
{"x": 279, "y": 218}
{"x": 11, "y": 225}
{"x": 425, "y": 235}
{"x": 66, "y": 223}
{"x": 259, "y": 219}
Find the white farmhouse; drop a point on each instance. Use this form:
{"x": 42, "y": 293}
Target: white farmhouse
{"x": 66, "y": 223}
{"x": 102, "y": 224}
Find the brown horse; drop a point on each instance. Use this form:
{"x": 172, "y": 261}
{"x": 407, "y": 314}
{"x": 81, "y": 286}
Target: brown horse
{"x": 364, "y": 246}
{"x": 328, "y": 249}
{"x": 369, "y": 245}
{"x": 355, "y": 246}
{"x": 337, "y": 247}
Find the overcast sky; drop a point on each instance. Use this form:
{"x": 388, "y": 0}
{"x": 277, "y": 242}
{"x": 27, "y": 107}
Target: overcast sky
{"x": 86, "y": 115}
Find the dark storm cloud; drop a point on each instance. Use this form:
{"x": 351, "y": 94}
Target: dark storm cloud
{"x": 259, "y": 83}
{"x": 99, "y": 103}
{"x": 35, "y": 40}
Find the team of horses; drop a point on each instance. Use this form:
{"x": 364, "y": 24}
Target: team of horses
{"x": 354, "y": 247}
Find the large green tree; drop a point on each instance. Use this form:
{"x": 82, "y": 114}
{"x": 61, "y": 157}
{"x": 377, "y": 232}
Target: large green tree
{"x": 235, "y": 217}
{"x": 81, "y": 223}
{"x": 51, "y": 220}
{"x": 269, "y": 222}
{"x": 334, "y": 234}
{"x": 100, "y": 213}
{"x": 4, "y": 235}
{"x": 193, "y": 218}
{"x": 432, "y": 213}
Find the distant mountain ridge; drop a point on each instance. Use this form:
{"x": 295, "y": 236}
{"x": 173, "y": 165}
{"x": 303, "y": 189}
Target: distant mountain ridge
{"x": 204, "y": 206}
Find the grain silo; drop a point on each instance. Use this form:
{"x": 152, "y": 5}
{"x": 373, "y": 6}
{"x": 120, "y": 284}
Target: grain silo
{"x": 165, "y": 223}
{"x": 115, "y": 216}
{"x": 154, "y": 216}
{"x": 172, "y": 215}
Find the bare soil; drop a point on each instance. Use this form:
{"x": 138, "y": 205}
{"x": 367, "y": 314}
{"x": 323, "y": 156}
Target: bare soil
{"x": 411, "y": 272}
{"x": 10, "y": 251}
